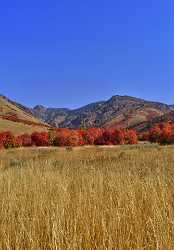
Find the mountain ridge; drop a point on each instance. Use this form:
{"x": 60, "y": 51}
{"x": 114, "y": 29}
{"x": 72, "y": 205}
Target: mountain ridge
{"x": 115, "y": 112}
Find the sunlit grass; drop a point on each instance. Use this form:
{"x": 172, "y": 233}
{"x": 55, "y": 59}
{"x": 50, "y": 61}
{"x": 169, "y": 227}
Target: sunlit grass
{"x": 88, "y": 198}
{"x": 18, "y": 128}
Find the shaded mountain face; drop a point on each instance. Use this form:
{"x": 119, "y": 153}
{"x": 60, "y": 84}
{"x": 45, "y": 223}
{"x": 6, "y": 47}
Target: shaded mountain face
{"x": 52, "y": 116}
{"x": 118, "y": 111}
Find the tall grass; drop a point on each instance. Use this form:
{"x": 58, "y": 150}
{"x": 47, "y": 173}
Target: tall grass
{"x": 118, "y": 198}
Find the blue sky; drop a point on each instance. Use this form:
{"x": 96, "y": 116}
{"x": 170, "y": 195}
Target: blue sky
{"x": 69, "y": 53}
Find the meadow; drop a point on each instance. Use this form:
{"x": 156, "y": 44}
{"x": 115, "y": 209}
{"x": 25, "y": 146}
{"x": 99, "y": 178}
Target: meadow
{"x": 119, "y": 197}
{"x": 19, "y": 128}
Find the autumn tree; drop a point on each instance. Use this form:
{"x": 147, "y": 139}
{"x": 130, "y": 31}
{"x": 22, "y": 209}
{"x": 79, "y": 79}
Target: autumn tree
{"x": 26, "y": 140}
{"x": 40, "y": 139}
{"x": 155, "y": 134}
{"x": 131, "y": 137}
{"x": 7, "y": 139}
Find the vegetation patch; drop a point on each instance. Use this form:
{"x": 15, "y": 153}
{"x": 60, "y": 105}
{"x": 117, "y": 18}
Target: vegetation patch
{"x": 107, "y": 198}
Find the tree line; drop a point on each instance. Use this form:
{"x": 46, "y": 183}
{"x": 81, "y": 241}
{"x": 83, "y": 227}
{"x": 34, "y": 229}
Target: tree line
{"x": 162, "y": 133}
{"x": 68, "y": 137}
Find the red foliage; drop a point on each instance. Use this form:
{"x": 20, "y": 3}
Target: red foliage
{"x": 74, "y": 139}
{"x": 7, "y": 140}
{"x": 81, "y": 134}
{"x": 92, "y": 135}
{"x": 131, "y": 137}
{"x": 143, "y": 136}
{"x": 155, "y": 134}
{"x": 161, "y": 133}
{"x": 25, "y": 139}
{"x": 111, "y": 137}
{"x": 61, "y": 138}
{"x": 67, "y": 137}
{"x": 18, "y": 142}
{"x": 40, "y": 139}
{"x": 167, "y": 133}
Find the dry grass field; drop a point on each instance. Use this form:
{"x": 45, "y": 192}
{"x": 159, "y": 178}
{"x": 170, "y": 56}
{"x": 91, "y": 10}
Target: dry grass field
{"x": 18, "y": 128}
{"x": 88, "y": 198}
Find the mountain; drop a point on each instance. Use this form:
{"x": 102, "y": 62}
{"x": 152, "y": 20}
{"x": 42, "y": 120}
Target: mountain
{"x": 118, "y": 111}
{"x": 144, "y": 126}
{"x": 53, "y": 116}
{"x": 18, "y": 118}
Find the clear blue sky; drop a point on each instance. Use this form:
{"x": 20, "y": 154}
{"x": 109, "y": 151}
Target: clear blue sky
{"x": 67, "y": 53}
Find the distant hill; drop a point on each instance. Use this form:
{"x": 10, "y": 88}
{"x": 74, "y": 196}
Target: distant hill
{"x": 118, "y": 111}
{"x": 53, "y": 116}
{"x": 17, "y": 118}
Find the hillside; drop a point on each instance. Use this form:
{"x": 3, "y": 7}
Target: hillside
{"x": 17, "y": 119}
{"x": 118, "y": 111}
{"x": 143, "y": 126}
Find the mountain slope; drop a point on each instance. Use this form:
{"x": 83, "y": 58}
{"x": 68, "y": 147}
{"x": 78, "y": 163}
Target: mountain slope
{"x": 144, "y": 126}
{"x": 118, "y": 111}
{"x": 17, "y": 119}
{"x": 53, "y": 116}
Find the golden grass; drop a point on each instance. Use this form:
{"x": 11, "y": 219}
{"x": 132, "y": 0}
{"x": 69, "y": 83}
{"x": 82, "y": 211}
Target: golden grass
{"x": 88, "y": 198}
{"x": 18, "y": 128}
